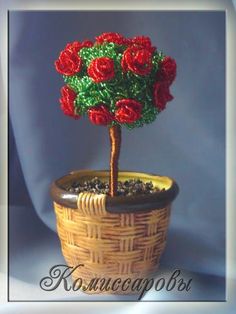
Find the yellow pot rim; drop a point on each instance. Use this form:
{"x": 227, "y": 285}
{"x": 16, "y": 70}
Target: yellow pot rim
{"x": 119, "y": 204}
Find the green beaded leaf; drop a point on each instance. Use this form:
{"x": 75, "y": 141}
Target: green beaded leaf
{"x": 109, "y": 50}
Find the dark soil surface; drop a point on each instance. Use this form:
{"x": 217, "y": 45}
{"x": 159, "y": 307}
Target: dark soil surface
{"x": 129, "y": 187}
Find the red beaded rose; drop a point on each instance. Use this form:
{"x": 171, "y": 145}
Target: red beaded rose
{"x": 69, "y": 62}
{"x": 76, "y": 45}
{"x": 100, "y": 115}
{"x": 101, "y": 69}
{"x": 137, "y": 59}
{"x": 167, "y": 72}
{"x": 144, "y": 42}
{"x": 67, "y": 102}
{"x": 112, "y": 38}
{"x": 161, "y": 95}
{"x": 129, "y": 110}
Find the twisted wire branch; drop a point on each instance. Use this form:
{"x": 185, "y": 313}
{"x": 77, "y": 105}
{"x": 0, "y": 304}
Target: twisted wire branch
{"x": 115, "y": 139}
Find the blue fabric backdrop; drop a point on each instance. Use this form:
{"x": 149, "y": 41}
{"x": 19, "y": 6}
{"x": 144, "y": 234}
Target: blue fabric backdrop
{"x": 186, "y": 142}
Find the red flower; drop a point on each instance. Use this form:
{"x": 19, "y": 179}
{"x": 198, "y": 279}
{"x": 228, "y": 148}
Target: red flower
{"x": 76, "y": 45}
{"x": 112, "y": 38}
{"x": 100, "y": 115}
{"x": 101, "y": 69}
{"x": 67, "y": 102}
{"x": 167, "y": 72}
{"x": 144, "y": 42}
{"x": 161, "y": 95}
{"x": 137, "y": 59}
{"x": 129, "y": 110}
{"x": 69, "y": 62}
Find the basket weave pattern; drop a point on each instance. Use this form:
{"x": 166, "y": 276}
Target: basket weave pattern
{"x": 111, "y": 245}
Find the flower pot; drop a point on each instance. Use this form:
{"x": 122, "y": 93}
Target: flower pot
{"x": 113, "y": 237}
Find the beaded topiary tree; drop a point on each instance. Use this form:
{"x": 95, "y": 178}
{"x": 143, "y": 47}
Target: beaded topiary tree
{"x": 115, "y": 81}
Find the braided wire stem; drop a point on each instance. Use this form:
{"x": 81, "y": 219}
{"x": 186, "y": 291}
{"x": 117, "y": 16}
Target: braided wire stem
{"x": 115, "y": 140}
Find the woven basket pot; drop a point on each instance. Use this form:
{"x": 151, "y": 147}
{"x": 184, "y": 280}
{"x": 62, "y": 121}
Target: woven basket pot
{"x": 115, "y": 238}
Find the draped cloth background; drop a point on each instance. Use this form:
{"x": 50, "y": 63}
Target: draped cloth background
{"x": 186, "y": 142}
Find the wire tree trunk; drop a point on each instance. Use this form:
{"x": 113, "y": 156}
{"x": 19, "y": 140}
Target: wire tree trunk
{"x": 115, "y": 139}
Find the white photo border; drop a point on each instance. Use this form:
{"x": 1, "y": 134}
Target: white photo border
{"x": 139, "y": 307}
